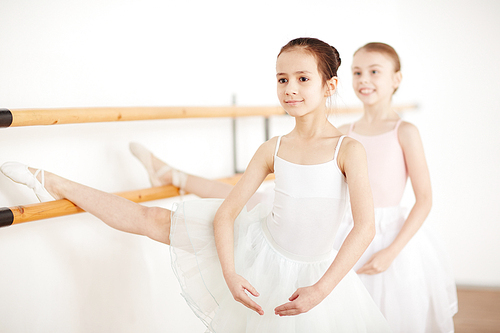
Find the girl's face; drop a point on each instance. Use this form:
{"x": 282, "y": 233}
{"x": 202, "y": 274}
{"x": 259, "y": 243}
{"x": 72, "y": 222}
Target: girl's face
{"x": 373, "y": 77}
{"x": 300, "y": 86}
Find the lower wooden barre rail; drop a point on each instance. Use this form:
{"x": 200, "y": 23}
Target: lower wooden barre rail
{"x": 30, "y": 117}
{"x": 45, "y": 210}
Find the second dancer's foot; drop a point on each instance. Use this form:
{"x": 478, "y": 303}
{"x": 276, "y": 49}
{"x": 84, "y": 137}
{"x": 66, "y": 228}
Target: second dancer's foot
{"x": 160, "y": 173}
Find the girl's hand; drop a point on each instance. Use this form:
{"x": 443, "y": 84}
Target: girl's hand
{"x": 238, "y": 287}
{"x": 378, "y": 263}
{"x": 303, "y": 300}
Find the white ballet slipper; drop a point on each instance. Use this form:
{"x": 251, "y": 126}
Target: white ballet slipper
{"x": 19, "y": 173}
{"x": 146, "y": 158}
{"x": 179, "y": 178}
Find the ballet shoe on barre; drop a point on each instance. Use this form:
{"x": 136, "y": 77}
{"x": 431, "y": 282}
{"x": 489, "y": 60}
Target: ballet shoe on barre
{"x": 146, "y": 158}
{"x": 19, "y": 173}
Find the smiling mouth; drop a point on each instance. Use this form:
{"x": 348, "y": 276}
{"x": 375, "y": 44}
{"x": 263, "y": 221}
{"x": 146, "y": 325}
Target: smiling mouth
{"x": 366, "y": 91}
{"x": 294, "y": 102}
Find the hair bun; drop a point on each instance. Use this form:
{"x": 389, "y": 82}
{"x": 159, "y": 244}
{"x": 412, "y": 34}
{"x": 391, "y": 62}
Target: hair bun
{"x": 337, "y": 55}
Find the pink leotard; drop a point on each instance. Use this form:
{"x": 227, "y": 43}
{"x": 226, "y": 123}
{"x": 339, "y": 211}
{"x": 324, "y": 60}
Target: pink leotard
{"x": 386, "y": 165}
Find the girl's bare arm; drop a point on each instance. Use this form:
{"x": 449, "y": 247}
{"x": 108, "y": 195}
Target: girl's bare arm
{"x": 259, "y": 167}
{"x": 418, "y": 172}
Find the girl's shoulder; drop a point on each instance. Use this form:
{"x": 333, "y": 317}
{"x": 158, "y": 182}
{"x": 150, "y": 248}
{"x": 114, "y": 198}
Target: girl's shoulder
{"x": 270, "y": 145}
{"x": 351, "y": 146}
{"x": 351, "y": 149}
{"x": 407, "y": 130}
{"x": 408, "y": 135}
{"x": 351, "y": 153}
{"x": 268, "y": 148}
{"x": 264, "y": 155}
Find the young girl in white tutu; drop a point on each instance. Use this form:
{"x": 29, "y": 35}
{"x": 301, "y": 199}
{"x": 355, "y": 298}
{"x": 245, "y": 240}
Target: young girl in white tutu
{"x": 280, "y": 265}
{"x": 404, "y": 268}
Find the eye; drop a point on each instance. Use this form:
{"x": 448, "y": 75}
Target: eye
{"x": 282, "y": 80}
{"x": 303, "y": 79}
{"x": 356, "y": 73}
{"x": 374, "y": 71}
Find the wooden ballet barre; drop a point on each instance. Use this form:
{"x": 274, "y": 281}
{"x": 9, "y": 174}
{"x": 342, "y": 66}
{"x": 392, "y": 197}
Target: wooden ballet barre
{"x": 45, "y": 210}
{"x": 32, "y": 117}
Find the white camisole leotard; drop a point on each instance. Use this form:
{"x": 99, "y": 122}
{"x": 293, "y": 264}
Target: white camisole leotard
{"x": 310, "y": 202}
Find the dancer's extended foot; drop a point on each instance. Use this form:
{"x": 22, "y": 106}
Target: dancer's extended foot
{"x": 159, "y": 172}
{"x": 32, "y": 178}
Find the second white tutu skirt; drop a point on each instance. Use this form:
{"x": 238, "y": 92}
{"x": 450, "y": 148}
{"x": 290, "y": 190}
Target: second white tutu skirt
{"x": 417, "y": 293}
{"x": 275, "y": 274}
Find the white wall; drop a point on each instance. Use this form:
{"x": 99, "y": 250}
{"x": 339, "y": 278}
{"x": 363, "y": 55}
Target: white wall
{"x": 144, "y": 53}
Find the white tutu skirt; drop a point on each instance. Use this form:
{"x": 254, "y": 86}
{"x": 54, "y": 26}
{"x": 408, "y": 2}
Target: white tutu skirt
{"x": 417, "y": 293}
{"x": 275, "y": 275}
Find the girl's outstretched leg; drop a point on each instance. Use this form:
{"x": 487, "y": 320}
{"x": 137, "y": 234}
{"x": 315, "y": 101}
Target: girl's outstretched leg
{"x": 117, "y": 212}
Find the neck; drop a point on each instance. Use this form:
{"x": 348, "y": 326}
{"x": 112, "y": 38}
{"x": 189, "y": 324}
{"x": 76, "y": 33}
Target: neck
{"x": 379, "y": 111}
{"x": 312, "y": 125}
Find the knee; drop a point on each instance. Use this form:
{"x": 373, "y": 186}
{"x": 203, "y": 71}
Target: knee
{"x": 158, "y": 224}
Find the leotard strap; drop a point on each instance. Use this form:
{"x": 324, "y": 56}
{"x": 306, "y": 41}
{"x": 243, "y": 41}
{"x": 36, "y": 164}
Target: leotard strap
{"x": 397, "y": 124}
{"x": 338, "y": 146}
{"x": 277, "y": 146}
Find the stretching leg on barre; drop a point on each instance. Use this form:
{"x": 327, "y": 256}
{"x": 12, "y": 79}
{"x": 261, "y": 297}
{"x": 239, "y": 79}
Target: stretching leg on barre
{"x": 115, "y": 211}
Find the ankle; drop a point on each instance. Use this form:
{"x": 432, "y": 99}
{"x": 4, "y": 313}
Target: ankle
{"x": 166, "y": 178}
{"x": 179, "y": 179}
{"x": 50, "y": 182}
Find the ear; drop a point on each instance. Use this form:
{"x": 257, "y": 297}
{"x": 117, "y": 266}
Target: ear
{"x": 331, "y": 86}
{"x": 397, "y": 79}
